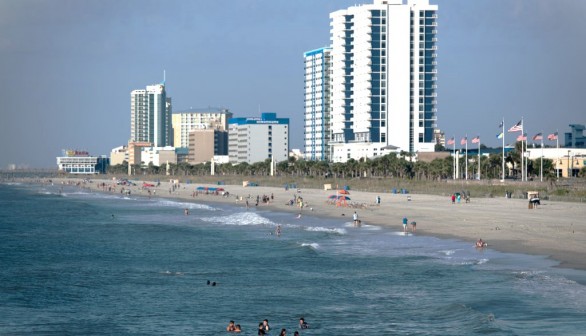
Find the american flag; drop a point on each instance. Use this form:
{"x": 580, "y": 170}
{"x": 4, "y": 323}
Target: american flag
{"x": 522, "y": 137}
{"x": 464, "y": 141}
{"x": 518, "y": 127}
{"x": 552, "y": 136}
{"x": 538, "y": 136}
{"x": 451, "y": 141}
{"x": 476, "y": 139}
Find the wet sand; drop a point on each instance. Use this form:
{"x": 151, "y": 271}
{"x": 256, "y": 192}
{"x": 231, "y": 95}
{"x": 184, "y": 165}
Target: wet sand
{"x": 553, "y": 229}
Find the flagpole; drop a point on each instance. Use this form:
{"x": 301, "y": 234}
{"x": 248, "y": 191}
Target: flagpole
{"x": 454, "y": 156}
{"x": 522, "y": 150}
{"x": 503, "y": 131}
{"x": 541, "y": 168}
{"x": 466, "y": 165}
{"x": 478, "y": 158}
{"x": 557, "y": 171}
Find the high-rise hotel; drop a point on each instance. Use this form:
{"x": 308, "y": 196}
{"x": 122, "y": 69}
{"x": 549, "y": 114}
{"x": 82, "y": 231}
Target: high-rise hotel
{"x": 382, "y": 75}
{"x": 317, "y": 104}
{"x": 150, "y": 116}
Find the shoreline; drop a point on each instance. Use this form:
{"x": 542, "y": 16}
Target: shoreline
{"x": 556, "y": 230}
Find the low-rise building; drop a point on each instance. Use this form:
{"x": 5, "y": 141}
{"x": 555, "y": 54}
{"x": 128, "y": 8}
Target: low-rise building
{"x": 158, "y": 155}
{"x": 80, "y": 162}
{"x": 135, "y": 151}
{"x": 118, "y": 155}
{"x": 205, "y": 143}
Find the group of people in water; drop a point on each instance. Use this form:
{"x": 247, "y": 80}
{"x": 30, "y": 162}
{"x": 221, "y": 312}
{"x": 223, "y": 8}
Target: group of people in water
{"x": 264, "y": 327}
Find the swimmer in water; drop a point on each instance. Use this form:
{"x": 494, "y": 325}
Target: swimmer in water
{"x": 481, "y": 243}
{"x": 299, "y": 215}
{"x": 278, "y": 231}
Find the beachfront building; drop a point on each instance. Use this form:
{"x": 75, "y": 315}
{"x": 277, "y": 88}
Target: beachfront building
{"x": 118, "y": 155}
{"x": 135, "y": 151}
{"x": 575, "y": 138}
{"x": 256, "y": 139}
{"x": 158, "y": 155}
{"x": 150, "y": 116}
{"x": 198, "y": 118}
{"x": 80, "y": 162}
{"x": 567, "y": 161}
{"x": 206, "y": 143}
{"x": 317, "y": 104}
{"x": 383, "y": 79}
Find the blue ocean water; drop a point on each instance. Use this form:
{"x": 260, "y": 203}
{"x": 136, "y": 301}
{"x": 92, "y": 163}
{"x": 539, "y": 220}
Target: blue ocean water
{"x": 82, "y": 263}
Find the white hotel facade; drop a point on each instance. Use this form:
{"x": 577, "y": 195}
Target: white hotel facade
{"x": 317, "y": 104}
{"x": 382, "y": 77}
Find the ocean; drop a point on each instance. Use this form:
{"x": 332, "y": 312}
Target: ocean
{"x": 75, "y": 262}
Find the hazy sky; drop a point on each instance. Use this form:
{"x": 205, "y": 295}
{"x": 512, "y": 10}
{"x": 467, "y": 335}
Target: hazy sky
{"x": 67, "y": 67}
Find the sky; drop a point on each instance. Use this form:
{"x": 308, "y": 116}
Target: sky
{"x": 67, "y": 67}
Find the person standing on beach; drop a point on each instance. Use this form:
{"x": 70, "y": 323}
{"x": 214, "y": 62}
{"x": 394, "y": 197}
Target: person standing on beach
{"x": 405, "y": 221}
{"x": 453, "y": 199}
{"x": 355, "y": 218}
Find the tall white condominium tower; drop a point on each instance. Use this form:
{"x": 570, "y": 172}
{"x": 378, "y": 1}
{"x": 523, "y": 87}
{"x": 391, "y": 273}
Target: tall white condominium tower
{"x": 150, "y": 116}
{"x": 383, "y": 78}
{"x": 317, "y": 104}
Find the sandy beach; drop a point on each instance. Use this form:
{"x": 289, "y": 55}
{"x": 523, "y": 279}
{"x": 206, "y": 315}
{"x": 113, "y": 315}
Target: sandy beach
{"x": 553, "y": 229}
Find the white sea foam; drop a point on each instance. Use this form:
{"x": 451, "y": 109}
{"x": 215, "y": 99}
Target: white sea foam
{"x": 341, "y": 231}
{"x": 313, "y": 246}
{"x": 447, "y": 252}
{"x": 241, "y": 218}
{"x": 401, "y": 233}
{"x": 178, "y": 204}
{"x": 371, "y": 227}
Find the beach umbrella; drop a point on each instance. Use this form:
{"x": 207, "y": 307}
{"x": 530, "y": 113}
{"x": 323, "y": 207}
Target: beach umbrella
{"x": 343, "y": 192}
{"x": 200, "y": 188}
{"x": 339, "y": 197}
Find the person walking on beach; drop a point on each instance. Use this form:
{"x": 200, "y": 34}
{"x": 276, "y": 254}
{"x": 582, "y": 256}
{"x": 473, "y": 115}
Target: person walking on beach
{"x": 453, "y": 199}
{"x": 405, "y": 221}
